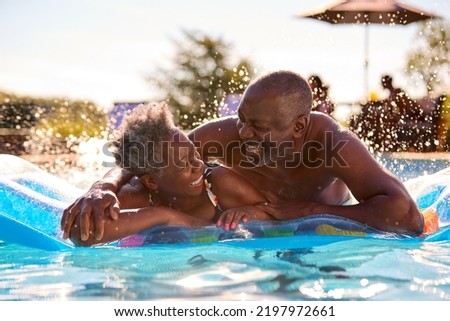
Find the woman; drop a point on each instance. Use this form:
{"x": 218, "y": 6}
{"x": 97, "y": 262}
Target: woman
{"x": 172, "y": 185}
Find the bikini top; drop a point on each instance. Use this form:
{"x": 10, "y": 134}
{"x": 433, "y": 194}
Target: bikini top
{"x": 212, "y": 197}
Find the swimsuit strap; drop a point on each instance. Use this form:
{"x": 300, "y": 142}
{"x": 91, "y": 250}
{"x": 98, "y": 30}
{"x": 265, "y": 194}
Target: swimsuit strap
{"x": 212, "y": 197}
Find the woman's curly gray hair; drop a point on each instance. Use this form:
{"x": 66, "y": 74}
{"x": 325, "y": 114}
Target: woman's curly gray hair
{"x": 139, "y": 147}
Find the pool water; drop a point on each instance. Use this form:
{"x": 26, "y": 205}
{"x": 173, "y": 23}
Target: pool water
{"x": 276, "y": 269}
{"x": 405, "y": 168}
{"x": 356, "y": 269}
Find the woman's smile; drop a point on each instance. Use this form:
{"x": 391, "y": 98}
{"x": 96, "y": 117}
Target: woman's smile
{"x": 197, "y": 182}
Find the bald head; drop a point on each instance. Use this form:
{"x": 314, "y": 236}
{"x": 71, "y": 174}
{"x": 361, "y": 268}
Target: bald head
{"x": 290, "y": 88}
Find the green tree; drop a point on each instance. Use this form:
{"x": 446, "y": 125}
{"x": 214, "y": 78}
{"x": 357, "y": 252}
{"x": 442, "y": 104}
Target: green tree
{"x": 20, "y": 112}
{"x": 73, "y": 119}
{"x": 430, "y": 60}
{"x": 201, "y": 78}
{"x": 61, "y": 118}
{"x": 50, "y": 125}
{"x": 65, "y": 125}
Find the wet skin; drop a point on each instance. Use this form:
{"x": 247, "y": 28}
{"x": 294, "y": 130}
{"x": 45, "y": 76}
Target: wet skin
{"x": 305, "y": 164}
{"x": 178, "y": 197}
{"x": 314, "y": 165}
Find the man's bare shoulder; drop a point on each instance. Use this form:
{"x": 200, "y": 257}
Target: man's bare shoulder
{"x": 337, "y": 139}
{"x": 350, "y": 156}
{"x": 320, "y": 124}
{"x": 218, "y": 129}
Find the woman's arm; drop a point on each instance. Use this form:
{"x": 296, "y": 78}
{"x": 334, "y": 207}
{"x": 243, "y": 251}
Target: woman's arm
{"x": 132, "y": 221}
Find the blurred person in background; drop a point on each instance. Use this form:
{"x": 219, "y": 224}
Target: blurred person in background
{"x": 321, "y": 100}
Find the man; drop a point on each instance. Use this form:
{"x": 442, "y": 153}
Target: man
{"x": 321, "y": 100}
{"x": 398, "y": 103}
{"x": 304, "y": 162}
{"x": 401, "y": 115}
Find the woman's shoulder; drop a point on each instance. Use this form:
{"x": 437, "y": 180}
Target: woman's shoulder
{"x": 232, "y": 189}
{"x": 217, "y": 170}
{"x": 222, "y": 177}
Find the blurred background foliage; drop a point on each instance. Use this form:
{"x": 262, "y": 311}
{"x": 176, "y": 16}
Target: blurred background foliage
{"x": 201, "y": 77}
{"x": 429, "y": 60}
{"x": 18, "y": 112}
{"x": 73, "y": 118}
{"x": 197, "y": 82}
{"x": 61, "y": 117}
{"x": 48, "y": 124}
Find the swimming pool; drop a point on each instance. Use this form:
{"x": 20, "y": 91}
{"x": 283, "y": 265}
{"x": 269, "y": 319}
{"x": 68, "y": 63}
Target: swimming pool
{"x": 279, "y": 269}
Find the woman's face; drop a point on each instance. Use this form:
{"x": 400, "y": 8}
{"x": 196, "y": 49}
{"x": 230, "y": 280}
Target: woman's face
{"x": 183, "y": 175}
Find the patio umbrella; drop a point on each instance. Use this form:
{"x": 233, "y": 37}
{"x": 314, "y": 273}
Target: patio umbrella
{"x": 365, "y": 12}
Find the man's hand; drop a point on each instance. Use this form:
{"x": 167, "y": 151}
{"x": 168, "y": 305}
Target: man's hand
{"x": 285, "y": 209}
{"x": 97, "y": 204}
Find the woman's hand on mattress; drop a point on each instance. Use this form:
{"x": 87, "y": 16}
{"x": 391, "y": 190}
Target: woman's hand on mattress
{"x": 231, "y": 218}
{"x": 97, "y": 204}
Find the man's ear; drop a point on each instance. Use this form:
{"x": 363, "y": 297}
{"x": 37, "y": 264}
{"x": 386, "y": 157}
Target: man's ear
{"x": 300, "y": 125}
{"x": 149, "y": 182}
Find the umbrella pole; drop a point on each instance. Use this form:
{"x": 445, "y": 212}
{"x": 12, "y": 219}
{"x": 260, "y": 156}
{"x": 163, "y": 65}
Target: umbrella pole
{"x": 366, "y": 61}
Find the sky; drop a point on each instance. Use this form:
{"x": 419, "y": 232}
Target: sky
{"x": 102, "y": 50}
